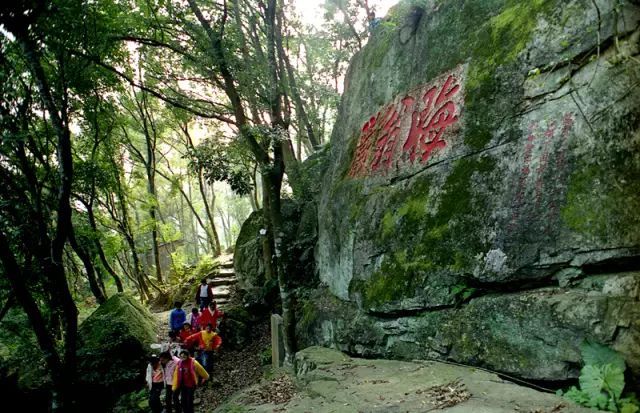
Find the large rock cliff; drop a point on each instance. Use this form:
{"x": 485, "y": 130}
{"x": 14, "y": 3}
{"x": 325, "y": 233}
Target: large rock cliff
{"x": 482, "y": 199}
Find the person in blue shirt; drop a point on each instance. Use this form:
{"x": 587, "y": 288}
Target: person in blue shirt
{"x": 373, "y": 21}
{"x": 177, "y": 317}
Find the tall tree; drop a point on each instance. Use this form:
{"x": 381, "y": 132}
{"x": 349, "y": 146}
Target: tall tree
{"x": 144, "y": 123}
{"x": 43, "y": 83}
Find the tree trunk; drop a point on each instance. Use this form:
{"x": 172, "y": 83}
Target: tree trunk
{"x": 194, "y": 227}
{"x": 274, "y": 170}
{"x": 94, "y": 285}
{"x": 281, "y": 258}
{"x": 100, "y": 251}
{"x": 214, "y": 234}
{"x": 62, "y": 299}
{"x": 125, "y": 225}
{"x": 293, "y": 87}
{"x": 214, "y": 240}
{"x": 267, "y": 239}
{"x": 149, "y": 131}
{"x": 226, "y": 227}
{"x": 273, "y": 180}
{"x": 45, "y": 340}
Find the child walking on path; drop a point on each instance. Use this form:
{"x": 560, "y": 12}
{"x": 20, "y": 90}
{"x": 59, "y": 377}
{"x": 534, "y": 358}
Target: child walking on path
{"x": 155, "y": 383}
{"x": 208, "y": 341}
{"x": 210, "y": 315}
{"x": 185, "y": 379}
{"x": 204, "y": 294}
{"x": 172, "y": 399}
{"x": 194, "y": 319}
{"x": 177, "y": 317}
{"x": 186, "y": 331}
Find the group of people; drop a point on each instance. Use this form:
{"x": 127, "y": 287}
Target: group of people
{"x": 175, "y": 370}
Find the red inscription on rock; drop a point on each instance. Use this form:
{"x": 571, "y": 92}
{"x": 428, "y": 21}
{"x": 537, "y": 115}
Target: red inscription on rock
{"x": 386, "y": 143}
{"x": 538, "y": 191}
{"x": 359, "y": 164}
{"x": 428, "y": 125}
{"x": 416, "y": 123}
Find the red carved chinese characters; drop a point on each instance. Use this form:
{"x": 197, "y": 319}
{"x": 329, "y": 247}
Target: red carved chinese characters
{"x": 359, "y": 163}
{"x": 432, "y": 112}
{"x": 386, "y": 143}
{"x": 425, "y": 133}
{"x": 538, "y": 192}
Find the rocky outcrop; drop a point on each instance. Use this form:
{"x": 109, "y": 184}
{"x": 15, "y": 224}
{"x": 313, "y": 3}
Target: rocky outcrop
{"x": 300, "y": 231}
{"x": 331, "y": 381}
{"x": 248, "y": 263}
{"x": 481, "y": 201}
{"x": 113, "y": 349}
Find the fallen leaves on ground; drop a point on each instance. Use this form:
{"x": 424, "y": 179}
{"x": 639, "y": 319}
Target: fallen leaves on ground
{"x": 235, "y": 370}
{"x": 277, "y": 391}
{"x": 446, "y": 395}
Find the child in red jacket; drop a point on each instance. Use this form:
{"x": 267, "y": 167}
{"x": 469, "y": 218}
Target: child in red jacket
{"x": 185, "y": 379}
{"x": 185, "y": 333}
{"x": 210, "y": 315}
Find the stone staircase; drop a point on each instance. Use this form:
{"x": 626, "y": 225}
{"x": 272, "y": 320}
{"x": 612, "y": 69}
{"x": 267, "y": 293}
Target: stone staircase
{"x": 223, "y": 279}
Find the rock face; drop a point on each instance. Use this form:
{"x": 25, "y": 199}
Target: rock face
{"x": 113, "y": 347}
{"x": 482, "y": 196}
{"x": 248, "y": 263}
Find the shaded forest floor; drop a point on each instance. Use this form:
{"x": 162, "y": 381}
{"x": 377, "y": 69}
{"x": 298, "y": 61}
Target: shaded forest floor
{"x": 233, "y": 370}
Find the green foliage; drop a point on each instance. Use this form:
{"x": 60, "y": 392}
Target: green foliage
{"x": 602, "y": 381}
{"x": 222, "y": 162}
{"x": 205, "y": 266}
{"x": 462, "y": 292}
{"x": 265, "y": 356}
{"x": 134, "y": 402}
{"x": 19, "y": 351}
{"x": 179, "y": 267}
{"x": 595, "y": 354}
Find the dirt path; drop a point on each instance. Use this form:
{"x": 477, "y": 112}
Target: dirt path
{"x": 232, "y": 370}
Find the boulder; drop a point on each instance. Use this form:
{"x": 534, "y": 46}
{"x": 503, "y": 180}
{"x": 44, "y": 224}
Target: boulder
{"x": 483, "y": 187}
{"x": 235, "y": 328}
{"x": 247, "y": 258}
{"x": 113, "y": 349}
{"x": 300, "y": 231}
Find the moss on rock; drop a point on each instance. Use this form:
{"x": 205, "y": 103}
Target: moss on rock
{"x": 604, "y": 190}
{"x": 113, "y": 346}
{"x": 443, "y": 230}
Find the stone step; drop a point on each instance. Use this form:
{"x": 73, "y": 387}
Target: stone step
{"x": 216, "y": 282}
{"x": 221, "y": 292}
{"x": 228, "y": 264}
{"x": 222, "y": 303}
{"x": 223, "y": 273}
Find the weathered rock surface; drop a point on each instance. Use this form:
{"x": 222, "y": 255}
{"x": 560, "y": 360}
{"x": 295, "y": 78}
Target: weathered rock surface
{"x": 330, "y": 381}
{"x": 113, "y": 347}
{"x": 248, "y": 263}
{"x": 481, "y": 201}
{"x": 300, "y": 231}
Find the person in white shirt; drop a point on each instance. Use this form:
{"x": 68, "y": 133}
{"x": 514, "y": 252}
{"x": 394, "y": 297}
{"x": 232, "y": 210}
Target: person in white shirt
{"x": 204, "y": 294}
